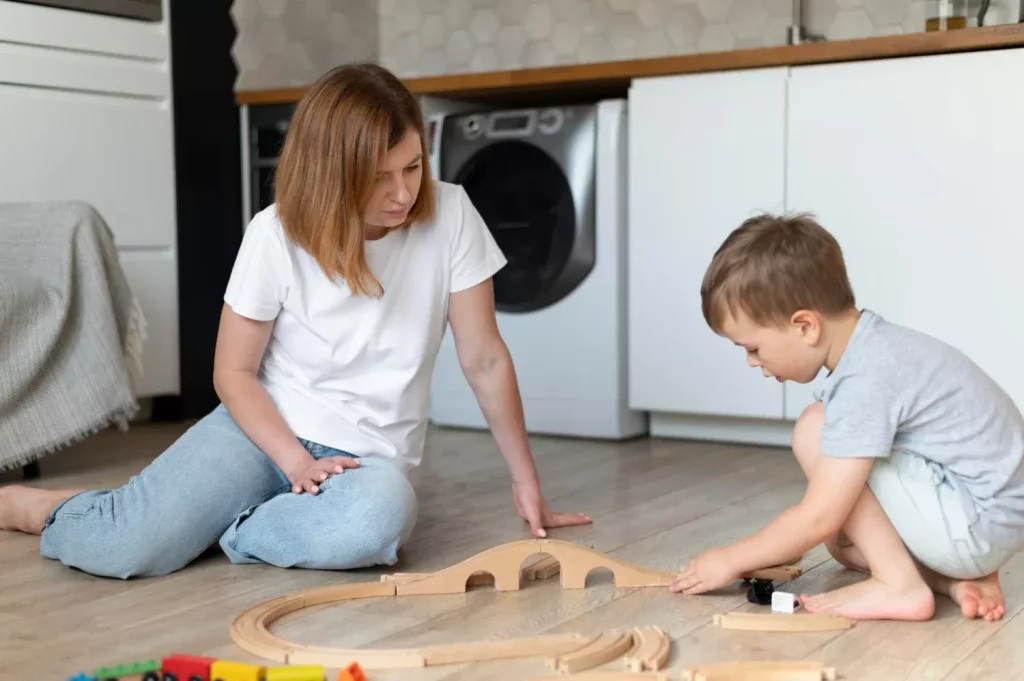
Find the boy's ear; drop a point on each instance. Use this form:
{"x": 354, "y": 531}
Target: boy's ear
{"x": 808, "y": 325}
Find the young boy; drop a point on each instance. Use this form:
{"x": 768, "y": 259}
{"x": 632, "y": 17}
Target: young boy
{"x": 913, "y": 454}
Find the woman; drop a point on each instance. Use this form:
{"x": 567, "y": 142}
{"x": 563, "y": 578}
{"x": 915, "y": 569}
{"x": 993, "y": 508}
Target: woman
{"x": 334, "y": 313}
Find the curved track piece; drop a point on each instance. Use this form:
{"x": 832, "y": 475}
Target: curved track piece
{"x": 250, "y": 632}
{"x": 631, "y": 653}
{"x": 751, "y": 621}
{"x": 605, "y": 648}
{"x": 650, "y": 651}
{"x": 505, "y": 561}
{"x": 783, "y": 670}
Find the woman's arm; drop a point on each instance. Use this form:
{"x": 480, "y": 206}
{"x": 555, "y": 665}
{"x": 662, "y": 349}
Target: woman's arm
{"x": 487, "y": 365}
{"x": 241, "y": 343}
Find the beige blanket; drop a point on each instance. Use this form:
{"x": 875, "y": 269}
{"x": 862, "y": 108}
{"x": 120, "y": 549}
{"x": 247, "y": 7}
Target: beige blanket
{"x": 71, "y": 331}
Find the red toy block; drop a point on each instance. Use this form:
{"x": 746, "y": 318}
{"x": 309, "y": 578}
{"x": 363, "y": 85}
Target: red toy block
{"x": 186, "y": 667}
{"x": 353, "y": 673}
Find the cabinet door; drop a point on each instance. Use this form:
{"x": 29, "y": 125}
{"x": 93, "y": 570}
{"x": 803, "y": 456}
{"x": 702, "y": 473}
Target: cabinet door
{"x": 915, "y": 165}
{"x": 706, "y": 152}
{"x": 116, "y": 153}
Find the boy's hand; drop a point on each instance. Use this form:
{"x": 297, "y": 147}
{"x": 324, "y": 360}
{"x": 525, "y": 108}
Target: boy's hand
{"x": 709, "y": 571}
{"x": 307, "y": 479}
{"x": 533, "y": 509}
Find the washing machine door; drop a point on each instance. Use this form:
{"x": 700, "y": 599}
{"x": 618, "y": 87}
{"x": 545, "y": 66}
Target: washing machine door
{"x": 534, "y": 192}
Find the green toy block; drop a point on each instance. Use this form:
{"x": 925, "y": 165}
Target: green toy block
{"x": 133, "y": 669}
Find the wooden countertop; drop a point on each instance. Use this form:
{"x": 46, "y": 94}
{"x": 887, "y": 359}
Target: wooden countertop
{"x": 619, "y": 73}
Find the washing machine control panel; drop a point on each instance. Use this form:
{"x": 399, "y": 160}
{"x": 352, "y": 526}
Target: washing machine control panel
{"x": 522, "y": 123}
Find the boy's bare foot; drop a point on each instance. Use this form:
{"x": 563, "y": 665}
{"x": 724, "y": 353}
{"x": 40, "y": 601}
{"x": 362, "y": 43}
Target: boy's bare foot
{"x": 874, "y": 600}
{"x": 976, "y": 597}
{"x": 25, "y": 509}
{"x": 980, "y": 597}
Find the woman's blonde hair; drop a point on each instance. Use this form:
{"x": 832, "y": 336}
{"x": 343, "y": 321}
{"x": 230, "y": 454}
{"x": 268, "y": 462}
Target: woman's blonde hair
{"x": 337, "y": 139}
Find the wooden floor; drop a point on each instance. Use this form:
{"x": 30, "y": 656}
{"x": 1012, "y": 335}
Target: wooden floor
{"x": 654, "y": 502}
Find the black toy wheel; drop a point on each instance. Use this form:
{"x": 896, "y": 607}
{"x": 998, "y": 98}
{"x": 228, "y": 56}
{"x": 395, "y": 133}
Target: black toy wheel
{"x": 760, "y": 592}
{"x": 151, "y": 676}
{"x": 196, "y": 677}
{"x": 170, "y": 676}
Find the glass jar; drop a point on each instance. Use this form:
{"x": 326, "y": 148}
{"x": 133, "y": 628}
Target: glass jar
{"x": 946, "y": 15}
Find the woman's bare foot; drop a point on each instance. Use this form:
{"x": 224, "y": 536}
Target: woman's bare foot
{"x": 873, "y": 600}
{"x": 980, "y": 597}
{"x": 25, "y": 509}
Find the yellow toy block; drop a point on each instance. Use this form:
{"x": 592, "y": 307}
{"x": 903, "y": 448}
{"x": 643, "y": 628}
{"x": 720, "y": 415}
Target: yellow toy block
{"x": 295, "y": 673}
{"x": 223, "y": 670}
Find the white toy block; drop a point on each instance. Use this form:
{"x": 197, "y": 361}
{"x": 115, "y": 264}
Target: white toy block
{"x": 784, "y": 602}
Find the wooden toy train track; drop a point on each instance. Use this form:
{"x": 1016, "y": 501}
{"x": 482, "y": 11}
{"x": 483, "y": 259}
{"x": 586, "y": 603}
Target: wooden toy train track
{"x": 784, "y": 670}
{"x": 770, "y": 670}
{"x": 644, "y": 648}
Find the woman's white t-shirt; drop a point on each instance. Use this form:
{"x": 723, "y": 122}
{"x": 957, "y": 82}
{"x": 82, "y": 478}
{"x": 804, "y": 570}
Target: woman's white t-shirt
{"x": 353, "y": 372}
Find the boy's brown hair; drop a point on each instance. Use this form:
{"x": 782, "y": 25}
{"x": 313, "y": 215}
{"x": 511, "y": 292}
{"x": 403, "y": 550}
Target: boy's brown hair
{"x": 771, "y": 266}
{"x": 338, "y": 136}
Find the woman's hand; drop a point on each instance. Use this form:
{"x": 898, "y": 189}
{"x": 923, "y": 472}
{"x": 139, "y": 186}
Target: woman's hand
{"x": 316, "y": 471}
{"x": 533, "y": 509}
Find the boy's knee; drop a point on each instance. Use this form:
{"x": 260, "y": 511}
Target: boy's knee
{"x": 836, "y": 546}
{"x": 807, "y": 434}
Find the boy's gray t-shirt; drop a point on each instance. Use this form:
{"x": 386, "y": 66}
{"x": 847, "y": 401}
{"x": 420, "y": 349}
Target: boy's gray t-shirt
{"x": 895, "y": 388}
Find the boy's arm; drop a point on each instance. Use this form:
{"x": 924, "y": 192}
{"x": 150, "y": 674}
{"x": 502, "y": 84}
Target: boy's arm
{"x": 832, "y": 491}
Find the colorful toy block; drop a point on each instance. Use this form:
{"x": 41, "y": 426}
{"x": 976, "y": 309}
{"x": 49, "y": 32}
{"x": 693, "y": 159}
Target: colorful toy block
{"x": 353, "y": 673}
{"x": 148, "y": 670}
{"x": 223, "y": 670}
{"x": 179, "y": 667}
{"x": 295, "y": 673}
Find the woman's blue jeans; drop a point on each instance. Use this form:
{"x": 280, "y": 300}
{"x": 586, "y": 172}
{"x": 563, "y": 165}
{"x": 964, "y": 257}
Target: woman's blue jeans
{"x": 213, "y": 484}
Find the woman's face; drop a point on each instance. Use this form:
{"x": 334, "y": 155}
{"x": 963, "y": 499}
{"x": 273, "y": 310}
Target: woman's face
{"x": 398, "y": 185}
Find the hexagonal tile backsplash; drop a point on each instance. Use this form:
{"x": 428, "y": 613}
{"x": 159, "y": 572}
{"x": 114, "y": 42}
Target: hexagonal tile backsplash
{"x": 291, "y": 42}
{"x": 284, "y": 43}
{"x": 480, "y": 35}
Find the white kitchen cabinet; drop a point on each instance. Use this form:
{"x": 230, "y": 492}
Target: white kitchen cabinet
{"x": 112, "y": 151}
{"x": 916, "y": 166}
{"x": 706, "y": 152}
{"x": 85, "y": 110}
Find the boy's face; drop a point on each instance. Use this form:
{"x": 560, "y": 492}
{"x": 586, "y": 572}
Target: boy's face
{"x": 788, "y": 353}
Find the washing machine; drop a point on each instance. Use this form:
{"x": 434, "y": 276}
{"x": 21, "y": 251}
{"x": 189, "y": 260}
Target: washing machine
{"x": 551, "y": 185}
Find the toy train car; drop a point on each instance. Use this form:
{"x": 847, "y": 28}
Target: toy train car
{"x": 195, "y": 668}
